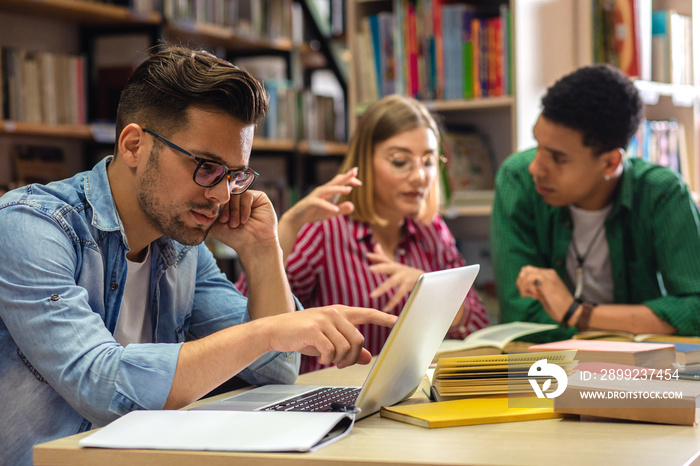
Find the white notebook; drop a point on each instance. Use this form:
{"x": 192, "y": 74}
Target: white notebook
{"x": 256, "y": 431}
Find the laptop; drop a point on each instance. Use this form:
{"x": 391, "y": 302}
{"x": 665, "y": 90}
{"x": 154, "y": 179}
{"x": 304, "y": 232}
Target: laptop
{"x": 400, "y": 366}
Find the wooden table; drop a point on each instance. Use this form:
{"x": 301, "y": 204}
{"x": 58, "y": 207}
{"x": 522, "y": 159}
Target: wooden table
{"x": 375, "y": 440}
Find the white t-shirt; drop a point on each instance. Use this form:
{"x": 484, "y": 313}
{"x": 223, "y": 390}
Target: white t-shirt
{"x": 134, "y": 321}
{"x": 597, "y": 270}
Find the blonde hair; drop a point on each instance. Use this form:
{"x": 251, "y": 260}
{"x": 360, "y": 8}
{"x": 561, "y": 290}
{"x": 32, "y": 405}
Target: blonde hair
{"x": 383, "y": 119}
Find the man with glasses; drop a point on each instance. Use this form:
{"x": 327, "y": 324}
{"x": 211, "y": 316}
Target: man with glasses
{"x": 586, "y": 237}
{"x": 109, "y": 300}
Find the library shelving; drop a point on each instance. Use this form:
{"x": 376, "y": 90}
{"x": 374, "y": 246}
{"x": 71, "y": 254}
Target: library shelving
{"x": 667, "y": 96}
{"x": 546, "y": 39}
{"x": 505, "y": 117}
{"x": 73, "y": 27}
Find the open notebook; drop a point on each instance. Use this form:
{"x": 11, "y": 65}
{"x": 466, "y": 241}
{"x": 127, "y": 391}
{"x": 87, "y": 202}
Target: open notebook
{"x": 397, "y": 372}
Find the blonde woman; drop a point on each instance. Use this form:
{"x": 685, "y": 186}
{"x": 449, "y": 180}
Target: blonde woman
{"x": 369, "y": 248}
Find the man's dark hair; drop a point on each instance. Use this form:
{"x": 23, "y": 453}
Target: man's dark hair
{"x": 171, "y": 80}
{"x": 598, "y": 100}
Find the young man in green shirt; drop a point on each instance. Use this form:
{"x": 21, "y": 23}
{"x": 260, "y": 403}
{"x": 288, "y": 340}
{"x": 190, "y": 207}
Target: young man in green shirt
{"x": 585, "y": 237}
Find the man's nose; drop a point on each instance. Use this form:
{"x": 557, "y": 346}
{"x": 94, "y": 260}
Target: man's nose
{"x": 535, "y": 168}
{"x": 221, "y": 192}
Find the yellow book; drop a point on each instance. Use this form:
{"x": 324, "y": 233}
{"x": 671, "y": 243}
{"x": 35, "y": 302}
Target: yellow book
{"x": 503, "y": 374}
{"x": 472, "y": 411}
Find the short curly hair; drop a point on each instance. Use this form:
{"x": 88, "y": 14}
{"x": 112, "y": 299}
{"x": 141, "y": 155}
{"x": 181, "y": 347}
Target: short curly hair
{"x": 598, "y": 100}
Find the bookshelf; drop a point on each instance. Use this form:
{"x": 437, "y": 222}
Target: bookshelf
{"x": 554, "y": 37}
{"x": 58, "y": 28}
{"x": 70, "y": 26}
{"x": 538, "y": 56}
{"x": 93, "y": 13}
{"x": 666, "y": 98}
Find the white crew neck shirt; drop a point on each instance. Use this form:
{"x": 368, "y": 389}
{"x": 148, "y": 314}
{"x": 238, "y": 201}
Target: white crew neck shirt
{"x": 134, "y": 321}
{"x": 597, "y": 270}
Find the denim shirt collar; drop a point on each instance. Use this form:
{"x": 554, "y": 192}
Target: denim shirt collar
{"x": 104, "y": 210}
{"x": 99, "y": 195}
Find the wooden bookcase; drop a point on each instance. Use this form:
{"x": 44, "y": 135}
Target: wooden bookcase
{"x": 69, "y": 26}
{"x": 550, "y": 38}
{"x": 542, "y": 49}
{"x": 663, "y": 101}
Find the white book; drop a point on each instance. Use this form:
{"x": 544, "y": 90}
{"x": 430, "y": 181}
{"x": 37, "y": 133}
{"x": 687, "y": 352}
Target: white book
{"x": 258, "y": 431}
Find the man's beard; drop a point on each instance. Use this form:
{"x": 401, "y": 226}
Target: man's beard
{"x": 160, "y": 215}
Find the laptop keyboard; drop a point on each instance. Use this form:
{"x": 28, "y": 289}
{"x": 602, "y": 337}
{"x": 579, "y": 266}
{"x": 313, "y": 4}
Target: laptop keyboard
{"x": 318, "y": 400}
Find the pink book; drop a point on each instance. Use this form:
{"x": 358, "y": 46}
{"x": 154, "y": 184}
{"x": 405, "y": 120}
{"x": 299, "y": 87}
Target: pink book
{"x": 657, "y": 355}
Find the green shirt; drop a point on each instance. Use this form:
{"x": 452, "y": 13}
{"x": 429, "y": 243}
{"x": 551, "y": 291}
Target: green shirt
{"x": 653, "y": 233}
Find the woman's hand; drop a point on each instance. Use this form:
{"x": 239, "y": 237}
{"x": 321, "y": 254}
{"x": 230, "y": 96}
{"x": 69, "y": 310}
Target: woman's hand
{"x": 402, "y": 277}
{"x": 318, "y": 205}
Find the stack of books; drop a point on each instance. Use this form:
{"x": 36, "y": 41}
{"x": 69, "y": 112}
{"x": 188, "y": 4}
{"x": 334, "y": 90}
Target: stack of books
{"x": 634, "y": 393}
{"x": 462, "y": 377}
{"x": 657, "y": 355}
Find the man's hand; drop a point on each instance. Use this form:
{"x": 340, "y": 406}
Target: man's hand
{"x": 327, "y": 332}
{"x": 247, "y": 220}
{"x": 545, "y": 286}
{"x": 401, "y": 277}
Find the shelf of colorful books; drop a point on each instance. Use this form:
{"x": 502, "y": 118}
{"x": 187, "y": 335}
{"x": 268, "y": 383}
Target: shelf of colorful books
{"x": 682, "y": 95}
{"x": 469, "y": 203}
{"x": 274, "y": 145}
{"x": 311, "y": 58}
{"x": 455, "y": 211}
{"x": 213, "y": 35}
{"x": 93, "y": 13}
{"x": 322, "y": 148}
{"x": 457, "y": 105}
{"x": 105, "y": 134}
{"x": 469, "y": 104}
{"x": 13, "y": 128}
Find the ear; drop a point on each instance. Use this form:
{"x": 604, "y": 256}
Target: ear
{"x": 132, "y": 145}
{"x": 613, "y": 162}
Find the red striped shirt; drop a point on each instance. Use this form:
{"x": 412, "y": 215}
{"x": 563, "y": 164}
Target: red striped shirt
{"x": 329, "y": 265}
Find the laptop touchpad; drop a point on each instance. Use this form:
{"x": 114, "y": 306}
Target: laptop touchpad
{"x": 255, "y": 399}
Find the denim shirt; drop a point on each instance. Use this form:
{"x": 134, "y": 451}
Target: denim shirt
{"x": 63, "y": 268}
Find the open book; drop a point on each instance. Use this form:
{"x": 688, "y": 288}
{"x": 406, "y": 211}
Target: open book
{"x": 490, "y": 340}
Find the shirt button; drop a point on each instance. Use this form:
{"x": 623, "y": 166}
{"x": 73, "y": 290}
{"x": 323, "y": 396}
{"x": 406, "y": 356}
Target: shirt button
{"x": 54, "y": 297}
{"x": 113, "y": 286}
{"x": 401, "y": 251}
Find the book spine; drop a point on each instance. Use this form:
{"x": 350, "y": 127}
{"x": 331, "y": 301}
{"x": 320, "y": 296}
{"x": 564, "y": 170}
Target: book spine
{"x": 439, "y": 49}
{"x": 468, "y": 52}
{"x": 476, "y": 53}
{"x": 377, "y": 48}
